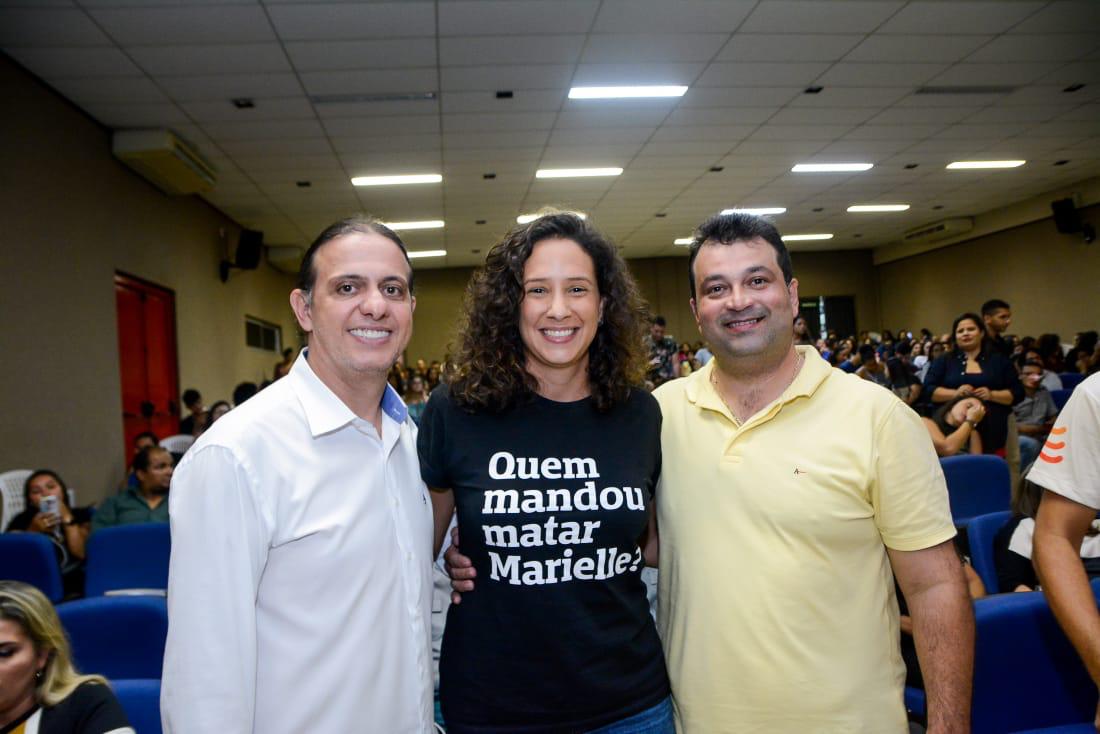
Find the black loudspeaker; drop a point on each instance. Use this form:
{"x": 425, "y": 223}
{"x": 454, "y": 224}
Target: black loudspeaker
{"x": 1066, "y": 217}
{"x": 249, "y": 249}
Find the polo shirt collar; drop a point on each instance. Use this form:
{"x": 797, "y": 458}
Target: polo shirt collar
{"x": 324, "y": 411}
{"x": 700, "y": 389}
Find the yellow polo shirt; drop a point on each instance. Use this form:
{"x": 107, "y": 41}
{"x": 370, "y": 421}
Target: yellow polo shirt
{"x": 777, "y": 607}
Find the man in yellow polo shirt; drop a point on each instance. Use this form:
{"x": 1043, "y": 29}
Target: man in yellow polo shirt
{"x": 789, "y": 493}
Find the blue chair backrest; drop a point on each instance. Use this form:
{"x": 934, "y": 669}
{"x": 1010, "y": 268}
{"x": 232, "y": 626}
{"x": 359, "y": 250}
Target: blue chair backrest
{"x": 976, "y": 485}
{"x": 1071, "y": 380}
{"x": 1061, "y": 397}
{"x": 140, "y": 698}
{"x": 117, "y": 636}
{"x": 1026, "y": 673}
{"x": 31, "y": 558}
{"x": 980, "y": 531}
{"x": 128, "y": 557}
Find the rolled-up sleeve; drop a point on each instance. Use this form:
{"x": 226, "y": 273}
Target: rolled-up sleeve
{"x": 220, "y": 540}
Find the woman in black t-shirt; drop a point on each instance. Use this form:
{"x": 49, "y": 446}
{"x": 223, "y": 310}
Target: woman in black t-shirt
{"x": 39, "y": 689}
{"x": 68, "y": 528}
{"x": 550, "y": 454}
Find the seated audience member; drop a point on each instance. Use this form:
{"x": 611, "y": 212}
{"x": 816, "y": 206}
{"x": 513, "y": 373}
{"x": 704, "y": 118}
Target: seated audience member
{"x": 1050, "y": 380}
{"x": 803, "y": 334}
{"x": 40, "y": 691}
{"x": 146, "y": 502}
{"x": 1050, "y": 351}
{"x": 283, "y": 366}
{"x": 903, "y": 379}
{"x": 66, "y": 527}
{"x": 870, "y": 368}
{"x": 243, "y": 392}
{"x": 1078, "y": 358}
{"x": 416, "y": 398}
{"x": 142, "y": 441}
{"x": 1035, "y": 414}
{"x": 217, "y": 410}
{"x": 193, "y": 424}
{"x": 974, "y": 368}
{"x": 1012, "y": 546}
{"x": 847, "y": 359}
{"x": 954, "y": 426}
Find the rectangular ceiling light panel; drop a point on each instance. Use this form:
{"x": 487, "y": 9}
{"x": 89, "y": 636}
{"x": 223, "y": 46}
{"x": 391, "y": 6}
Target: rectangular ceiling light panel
{"x": 416, "y": 178}
{"x": 878, "y": 208}
{"x": 971, "y": 165}
{"x": 576, "y": 172}
{"x": 427, "y": 224}
{"x": 633, "y": 92}
{"x": 831, "y": 167}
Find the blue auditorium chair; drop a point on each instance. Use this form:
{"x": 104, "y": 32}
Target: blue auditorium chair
{"x": 1071, "y": 380}
{"x": 117, "y": 636}
{"x": 1026, "y": 673}
{"x": 1060, "y": 397}
{"x": 976, "y": 485}
{"x": 140, "y": 698}
{"x": 981, "y": 531}
{"x": 128, "y": 558}
{"x": 31, "y": 558}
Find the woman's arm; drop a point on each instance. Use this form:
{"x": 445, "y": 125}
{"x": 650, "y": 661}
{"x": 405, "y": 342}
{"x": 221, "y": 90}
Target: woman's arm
{"x": 443, "y": 508}
{"x": 76, "y": 536}
{"x": 951, "y": 444}
{"x": 1004, "y": 397}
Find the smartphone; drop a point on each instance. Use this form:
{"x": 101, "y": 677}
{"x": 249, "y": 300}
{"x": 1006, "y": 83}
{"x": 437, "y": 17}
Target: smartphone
{"x": 49, "y": 504}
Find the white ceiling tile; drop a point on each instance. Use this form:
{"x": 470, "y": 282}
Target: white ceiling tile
{"x": 1081, "y": 72}
{"x": 973, "y": 101}
{"x": 241, "y": 58}
{"x": 1038, "y": 94}
{"x": 601, "y": 135}
{"x": 868, "y": 97}
{"x": 1084, "y": 112}
{"x": 504, "y": 121}
{"x": 148, "y": 26}
{"x": 750, "y": 74}
{"x": 230, "y": 86}
{"x": 275, "y": 148}
{"x": 910, "y": 115}
{"x": 747, "y": 96}
{"x": 788, "y": 47}
{"x": 389, "y": 163}
{"x": 109, "y": 89}
{"x": 686, "y": 149}
{"x": 848, "y": 74}
{"x": 136, "y": 115}
{"x": 382, "y": 81}
{"x": 508, "y": 17}
{"x": 613, "y": 115}
{"x": 894, "y": 132}
{"x": 821, "y": 115}
{"x": 938, "y": 17}
{"x": 1013, "y": 114}
{"x": 381, "y": 125}
{"x": 965, "y": 74}
{"x": 1057, "y": 17}
{"x": 74, "y": 62}
{"x": 492, "y": 156}
{"x": 1065, "y": 128}
{"x": 503, "y": 139}
{"x": 918, "y": 49}
{"x": 523, "y": 100}
{"x": 621, "y": 48}
{"x": 263, "y": 130}
{"x": 387, "y": 143}
{"x": 376, "y": 54}
{"x": 327, "y": 110}
{"x": 37, "y": 26}
{"x": 981, "y": 132}
{"x": 870, "y": 150}
{"x": 342, "y": 21}
{"x": 1050, "y": 47}
{"x": 267, "y": 108}
{"x": 658, "y": 161}
{"x": 720, "y": 116}
{"x": 252, "y": 163}
{"x": 727, "y": 133}
{"x": 686, "y": 16}
{"x": 615, "y": 74}
{"x": 471, "y": 78}
{"x": 480, "y": 50}
{"x": 818, "y": 132}
{"x": 809, "y": 16}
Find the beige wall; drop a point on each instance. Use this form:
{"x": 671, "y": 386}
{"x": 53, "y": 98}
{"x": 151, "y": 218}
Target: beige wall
{"x": 73, "y": 216}
{"x": 663, "y": 283}
{"x": 1051, "y": 280}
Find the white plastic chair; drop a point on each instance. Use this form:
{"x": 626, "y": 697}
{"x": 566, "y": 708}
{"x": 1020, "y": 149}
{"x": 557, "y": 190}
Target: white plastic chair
{"x": 177, "y": 444}
{"x": 11, "y": 484}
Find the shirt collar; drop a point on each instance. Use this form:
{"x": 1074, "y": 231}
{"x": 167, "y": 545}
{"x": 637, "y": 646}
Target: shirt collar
{"x": 700, "y": 389}
{"x": 325, "y": 412}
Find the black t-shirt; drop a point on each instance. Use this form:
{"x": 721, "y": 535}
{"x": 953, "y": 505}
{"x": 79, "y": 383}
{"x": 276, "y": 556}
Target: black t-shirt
{"x": 91, "y": 709}
{"x": 552, "y": 499}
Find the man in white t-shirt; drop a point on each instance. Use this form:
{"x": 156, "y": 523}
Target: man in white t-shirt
{"x": 1068, "y": 468}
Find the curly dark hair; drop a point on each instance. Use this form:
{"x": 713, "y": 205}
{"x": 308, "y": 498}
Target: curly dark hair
{"x": 489, "y": 372}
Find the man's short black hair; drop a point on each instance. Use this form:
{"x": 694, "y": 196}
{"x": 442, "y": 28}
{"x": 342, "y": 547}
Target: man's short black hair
{"x": 903, "y": 348}
{"x": 993, "y": 305}
{"x": 243, "y": 392}
{"x": 143, "y": 459}
{"x": 659, "y": 321}
{"x": 726, "y": 229}
{"x": 867, "y": 352}
{"x": 191, "y": 396}
{"x": 307, "y": 274}
{"x": 147, "y": 434}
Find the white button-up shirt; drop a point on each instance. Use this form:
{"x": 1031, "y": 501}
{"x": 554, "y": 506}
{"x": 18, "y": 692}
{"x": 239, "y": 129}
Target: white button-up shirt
{"x": 299, "y": 592}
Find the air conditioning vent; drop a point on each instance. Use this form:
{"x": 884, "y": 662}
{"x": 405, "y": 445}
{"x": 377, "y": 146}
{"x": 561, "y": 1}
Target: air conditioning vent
{"x": 165, "y": 160}
{"x": 941, "y": 230}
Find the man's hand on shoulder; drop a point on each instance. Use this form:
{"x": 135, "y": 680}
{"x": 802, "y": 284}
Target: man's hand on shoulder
{"x": 460, "y": 568}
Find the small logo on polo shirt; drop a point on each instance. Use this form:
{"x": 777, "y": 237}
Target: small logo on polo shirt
{"x": 799, "y": 471}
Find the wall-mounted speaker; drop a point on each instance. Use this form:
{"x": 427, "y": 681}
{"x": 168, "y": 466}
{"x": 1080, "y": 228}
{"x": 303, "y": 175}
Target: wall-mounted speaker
{"x": 1067, "y": 218}
{"x": 250, "y": 248}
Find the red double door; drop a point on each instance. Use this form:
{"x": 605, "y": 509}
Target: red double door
{"x": 147, "y": 359}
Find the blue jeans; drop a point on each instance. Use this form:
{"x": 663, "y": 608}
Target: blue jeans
{"x": 654, "y": 720}
{"x": 1029, "y": 451}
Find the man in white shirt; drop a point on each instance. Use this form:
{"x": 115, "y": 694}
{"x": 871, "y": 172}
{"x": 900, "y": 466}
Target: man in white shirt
{"x": 1068, "y": 468}
{"x": 299, "y": 592}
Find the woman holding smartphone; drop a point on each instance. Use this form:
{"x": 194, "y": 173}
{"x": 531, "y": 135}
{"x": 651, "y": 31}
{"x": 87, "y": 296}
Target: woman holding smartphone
{"x": 550, "y": 454}
{"x": 48, "y": 512}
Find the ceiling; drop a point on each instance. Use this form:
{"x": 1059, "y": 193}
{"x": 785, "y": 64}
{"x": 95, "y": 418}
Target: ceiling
{"x": 315, "y": 72}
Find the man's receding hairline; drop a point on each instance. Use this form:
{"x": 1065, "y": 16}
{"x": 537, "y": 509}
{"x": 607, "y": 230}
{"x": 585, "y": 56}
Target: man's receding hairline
{"x": 366, "y": 233}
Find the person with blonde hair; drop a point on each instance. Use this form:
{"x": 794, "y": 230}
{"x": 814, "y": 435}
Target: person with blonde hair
{"x": 40, "y": 690}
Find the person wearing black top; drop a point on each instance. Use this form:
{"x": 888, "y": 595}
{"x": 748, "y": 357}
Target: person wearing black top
{"x": 68, "y": 528}
{"x": 39, "y": 688}
{"x": 551, "y": 455}
{"x": 996, "y": 318}
{"x": 974, "y": 368}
